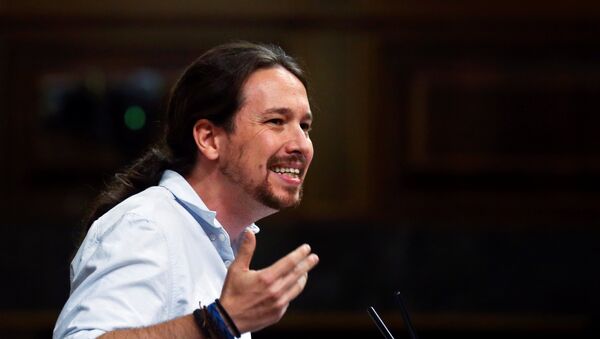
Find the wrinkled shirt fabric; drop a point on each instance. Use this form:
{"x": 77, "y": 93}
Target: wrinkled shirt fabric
{"x": 150, "y": 259}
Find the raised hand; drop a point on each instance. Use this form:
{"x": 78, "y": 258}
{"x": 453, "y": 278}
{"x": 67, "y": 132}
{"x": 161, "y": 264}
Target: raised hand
{"x": 256, "y": 299}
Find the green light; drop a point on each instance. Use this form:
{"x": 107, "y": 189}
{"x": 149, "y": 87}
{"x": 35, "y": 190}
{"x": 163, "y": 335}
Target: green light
{"x": 135, "y": 118}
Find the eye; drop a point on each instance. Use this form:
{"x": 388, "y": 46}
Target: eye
{"x": 306, "y": 127}
{"x": 276, "y": 121}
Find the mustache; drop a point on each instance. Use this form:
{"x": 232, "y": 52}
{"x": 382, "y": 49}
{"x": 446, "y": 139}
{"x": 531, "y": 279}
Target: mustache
{"x": 293, "y": 158}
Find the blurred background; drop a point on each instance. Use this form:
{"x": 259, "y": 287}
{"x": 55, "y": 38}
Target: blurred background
{"x": 457, "y": 153}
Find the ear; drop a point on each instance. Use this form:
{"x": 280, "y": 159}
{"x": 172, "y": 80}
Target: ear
{"x": 205, "y": 136}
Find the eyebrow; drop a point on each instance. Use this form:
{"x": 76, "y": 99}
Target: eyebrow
{"x": 286, "y": 111}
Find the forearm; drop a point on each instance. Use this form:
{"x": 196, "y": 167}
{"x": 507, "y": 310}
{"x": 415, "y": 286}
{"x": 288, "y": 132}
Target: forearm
{"x": 183, "y": 327}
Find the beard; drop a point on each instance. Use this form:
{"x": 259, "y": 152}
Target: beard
{"x": 264, "y": 194}
{"x": 263, "y": 191}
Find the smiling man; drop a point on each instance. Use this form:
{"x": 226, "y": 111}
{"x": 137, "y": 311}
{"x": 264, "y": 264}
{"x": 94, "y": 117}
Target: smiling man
{"x": 170, "y": 241}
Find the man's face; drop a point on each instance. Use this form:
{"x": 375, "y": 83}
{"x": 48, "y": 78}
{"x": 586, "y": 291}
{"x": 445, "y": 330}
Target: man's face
{"x": 269, "y": 152}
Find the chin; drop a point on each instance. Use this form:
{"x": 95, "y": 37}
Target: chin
{"x": 290, "y": 203}
{"x": 280, "y": 201}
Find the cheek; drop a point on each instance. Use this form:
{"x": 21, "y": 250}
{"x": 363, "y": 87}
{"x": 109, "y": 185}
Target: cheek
{"x": 311, "y": 151}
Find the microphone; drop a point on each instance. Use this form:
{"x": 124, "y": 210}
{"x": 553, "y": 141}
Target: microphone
{"x": 380, "y": 324}
{"x": 405, "y": 316}
{"x": 403, "y": 310}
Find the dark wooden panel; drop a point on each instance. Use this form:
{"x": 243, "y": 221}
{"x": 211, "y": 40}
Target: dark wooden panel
{"x": 528, "y": 115}
{"x": 489, "y": 123}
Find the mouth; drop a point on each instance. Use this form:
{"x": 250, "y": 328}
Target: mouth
{"x": 290, "y": 170}
{"x": 290, "y": 174}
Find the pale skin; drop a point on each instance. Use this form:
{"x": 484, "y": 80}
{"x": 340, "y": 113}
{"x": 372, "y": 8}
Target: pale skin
{"x": 273, "y": 123}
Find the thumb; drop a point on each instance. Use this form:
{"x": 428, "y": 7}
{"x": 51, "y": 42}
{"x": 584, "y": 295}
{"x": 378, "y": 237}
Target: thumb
{"x": 245, "y": 251}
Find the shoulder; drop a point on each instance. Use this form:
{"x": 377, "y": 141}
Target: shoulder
{"x": 131, "y": 228}
{"x": 147, "y": 205}
{"x": 143, "y": 214}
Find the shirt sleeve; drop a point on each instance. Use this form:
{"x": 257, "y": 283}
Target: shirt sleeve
{"x": 120, "y": 279}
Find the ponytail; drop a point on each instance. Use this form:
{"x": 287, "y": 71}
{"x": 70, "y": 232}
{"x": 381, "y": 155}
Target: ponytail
{"x": 143, "y": 173}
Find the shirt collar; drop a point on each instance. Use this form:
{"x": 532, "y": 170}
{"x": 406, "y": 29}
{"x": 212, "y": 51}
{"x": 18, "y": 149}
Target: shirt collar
{"x": 183, "y": 192}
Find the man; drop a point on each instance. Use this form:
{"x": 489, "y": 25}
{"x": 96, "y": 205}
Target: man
{"x": 235, "y": 149}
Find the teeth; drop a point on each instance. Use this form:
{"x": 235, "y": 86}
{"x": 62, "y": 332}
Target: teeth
{"x": 286, "y": 170}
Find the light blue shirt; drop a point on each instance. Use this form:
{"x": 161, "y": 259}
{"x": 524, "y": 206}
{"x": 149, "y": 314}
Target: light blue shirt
{"x": 150, "y": 259}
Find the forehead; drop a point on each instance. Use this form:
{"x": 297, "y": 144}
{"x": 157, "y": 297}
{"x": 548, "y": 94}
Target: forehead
{"x": 275, "y": 87}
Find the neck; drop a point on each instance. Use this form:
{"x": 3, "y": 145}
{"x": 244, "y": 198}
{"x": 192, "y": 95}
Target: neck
{"x": 235, "y": 209}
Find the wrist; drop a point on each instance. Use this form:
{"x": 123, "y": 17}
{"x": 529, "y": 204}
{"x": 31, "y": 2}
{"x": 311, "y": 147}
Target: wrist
{"x": 215, "y": 323}
{"x": 237, "y": 317}
{"x": 227, "y": 319}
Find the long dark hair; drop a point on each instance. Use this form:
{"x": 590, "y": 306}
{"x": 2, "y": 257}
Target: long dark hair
{"x": 210, "y": 88}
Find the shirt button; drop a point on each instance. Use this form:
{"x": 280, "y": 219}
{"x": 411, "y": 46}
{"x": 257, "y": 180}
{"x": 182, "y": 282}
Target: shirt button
{"x": 227, "y": 263}
{"x": 212, "y": 237}
{"x": 222, "y": 237}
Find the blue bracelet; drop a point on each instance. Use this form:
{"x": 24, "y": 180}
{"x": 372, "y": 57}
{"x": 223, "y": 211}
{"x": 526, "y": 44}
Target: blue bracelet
{"x": 219, "y": 323}
{"x": 232, "y": 327}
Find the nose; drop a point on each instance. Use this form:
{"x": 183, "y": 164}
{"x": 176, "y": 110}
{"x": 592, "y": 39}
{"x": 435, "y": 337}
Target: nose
{"x": 299, "y": 142}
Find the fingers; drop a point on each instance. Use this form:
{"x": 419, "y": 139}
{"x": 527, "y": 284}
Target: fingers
{"x": 289, "y": 286}
{"x": 288, "y": 263}
{"x": 295, "y": 281}
{"x": 256, "y": 299}
{"x": 245, "y": 251}
{"x": 296, "y": 288}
